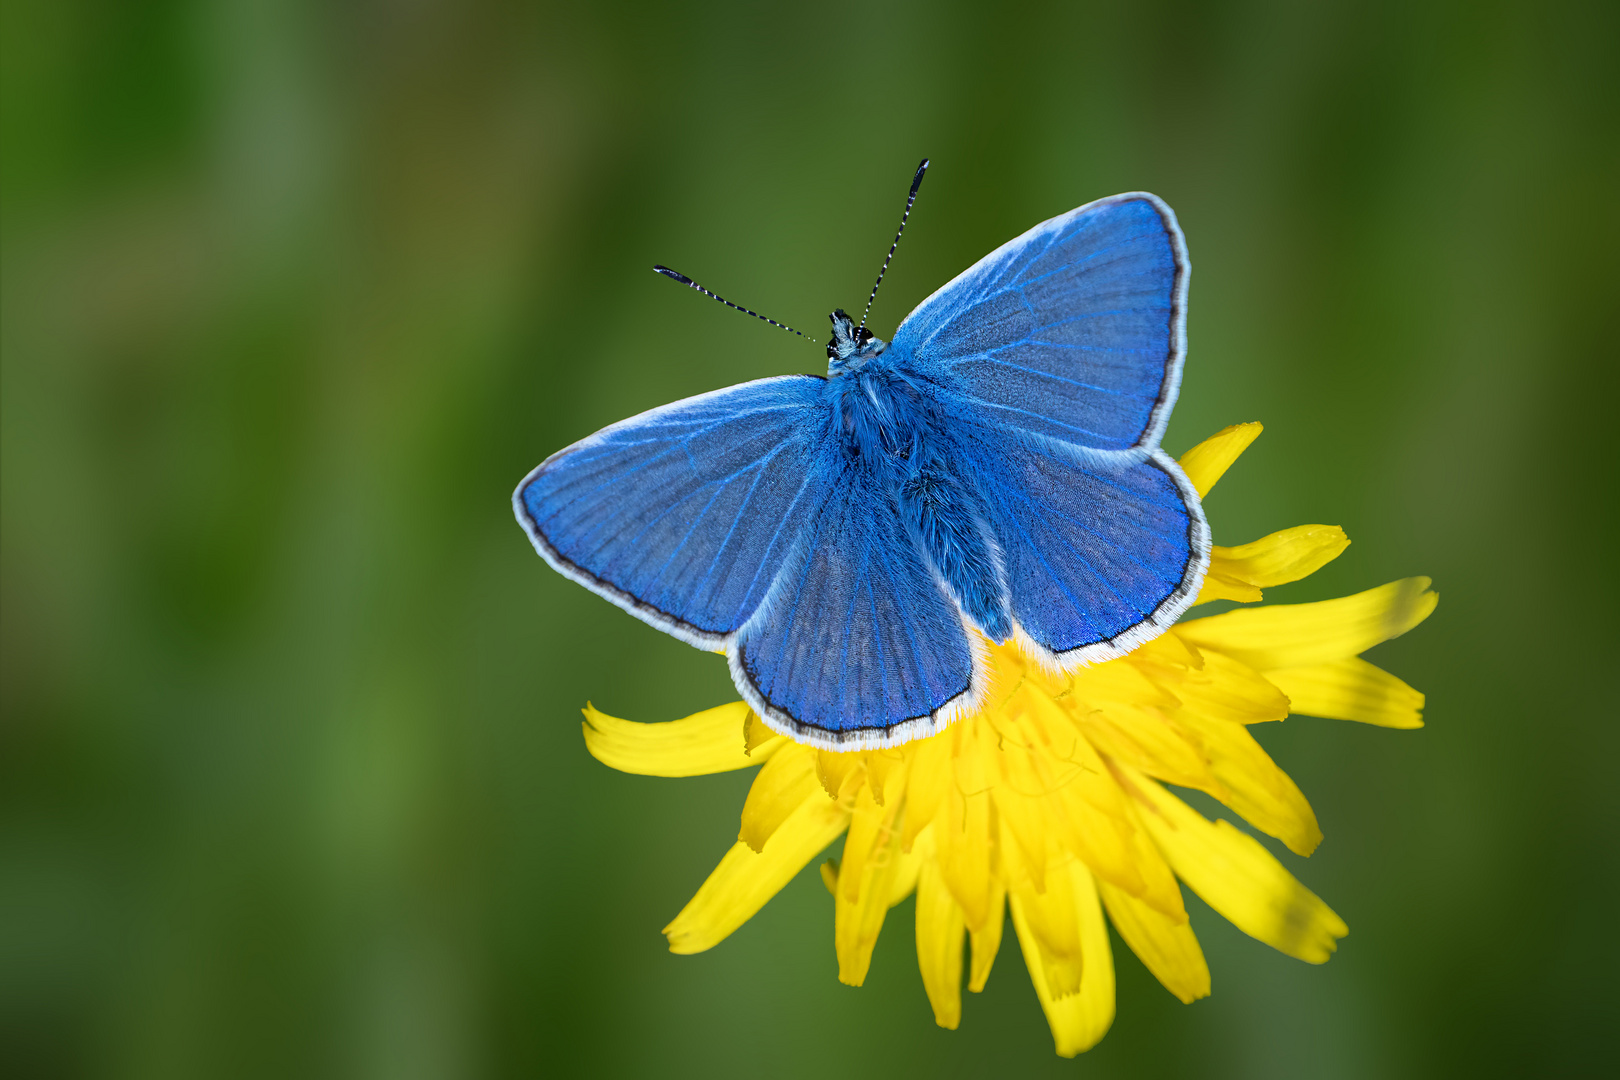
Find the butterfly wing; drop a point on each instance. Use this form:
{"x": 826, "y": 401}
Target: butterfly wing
{"x": 684, "y": 515}
{"x": 731, "y": 520}
{"x": 1097, "y": 557}
{"x": 858, "y": 646}
{"x": 1074, "y": 331}
{"x": 1058, "y": 357}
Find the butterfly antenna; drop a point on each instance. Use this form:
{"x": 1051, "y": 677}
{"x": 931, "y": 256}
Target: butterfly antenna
{"x": 684, "y": 280}
{"x": 916, "y": 182}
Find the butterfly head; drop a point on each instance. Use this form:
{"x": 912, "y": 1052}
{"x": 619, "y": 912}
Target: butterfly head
{"x": 851, "y": 346}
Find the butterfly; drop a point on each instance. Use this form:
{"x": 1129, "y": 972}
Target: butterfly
{"x": 851, "y": 541}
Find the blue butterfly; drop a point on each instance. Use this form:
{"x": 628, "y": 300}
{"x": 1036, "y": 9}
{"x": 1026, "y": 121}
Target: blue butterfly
{"x": 849, "y": 541}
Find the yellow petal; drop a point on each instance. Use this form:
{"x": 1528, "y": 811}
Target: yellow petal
{"x": 986, "y": 940}
{"x": 1123, "y": 713}
{"x": 1052, "y": 916}
{"x": 1011, "y": 669}
{"x": 1078, "y": 1020}
{"x": 1281, "y": 557}
{"x": 1123, "y": 684}
{"x": 865, "y": 842}
{"x": 755, "y": 733}
{"x": 1029, "y": 774}
{"x": 1238, "y": 878}
{"x": 1205, "y": 463}
{"x": 1026, "y": 821}
{"x": 707, "y": 742}
{"x": 1166, "y": 947}
{"x": 927, "y": 777}
{"x": 939, "y": 945}
{"x": 1160, "y": 890}
{"x": 1083, "y": 808}
{"x": 865, "y": 880}
{"x": 966, "y": 850}
{"x": 1351, "y": 690}
{"x": 1165, "y": 653}
{"x": 1044, "y": 738}
{"x": 1225, "y": 689}
{"x": 1251, "y": 783}
{"x": 1218, "y": 586}
{"x": 1304, "y": 635}
{"x": 1147, "y": 739}
{"x": 904, "y": 881}
{"x": 972, "y": 758}
{"x": 1099, "y": 824}
{"x": 835, "y": 769}
{"x": 745, "y": 880}
{"x": 886, "y": 772}
{"x": 786, "y": 781}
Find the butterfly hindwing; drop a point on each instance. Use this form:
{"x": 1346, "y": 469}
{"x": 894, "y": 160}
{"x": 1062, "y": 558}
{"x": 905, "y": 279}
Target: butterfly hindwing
{"x": 859, "y": 646}
{"x": 1097, "y": 557}
{"x": 684, "y": 515}
{"x": 1073, "y": 331}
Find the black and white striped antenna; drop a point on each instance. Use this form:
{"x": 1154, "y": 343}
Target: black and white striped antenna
{"x": 916, "y": 182}
{"x": 684, "y": 280}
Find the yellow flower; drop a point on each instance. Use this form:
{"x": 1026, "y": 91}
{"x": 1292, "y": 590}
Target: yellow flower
{"x": 1051, "y": 802}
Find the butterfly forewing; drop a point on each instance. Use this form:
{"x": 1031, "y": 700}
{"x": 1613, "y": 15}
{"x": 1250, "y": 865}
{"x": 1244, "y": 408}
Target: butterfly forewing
{"x": 1073, "y": 331}
{"x": 685, "y": 515}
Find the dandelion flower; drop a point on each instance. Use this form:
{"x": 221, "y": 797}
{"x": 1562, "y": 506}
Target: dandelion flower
{"x": 1052, "y": 803}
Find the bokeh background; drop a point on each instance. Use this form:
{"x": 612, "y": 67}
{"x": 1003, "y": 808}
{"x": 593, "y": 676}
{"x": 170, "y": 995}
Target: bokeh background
{"x": 294, "y": 293}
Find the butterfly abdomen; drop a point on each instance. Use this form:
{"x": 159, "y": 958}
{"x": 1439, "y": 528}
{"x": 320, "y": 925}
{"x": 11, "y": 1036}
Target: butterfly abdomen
{"x": 948, "y": 527}
{"x": 890, "y": 428}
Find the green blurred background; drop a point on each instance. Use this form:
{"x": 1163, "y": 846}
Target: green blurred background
{"x": 293, "y": 294}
